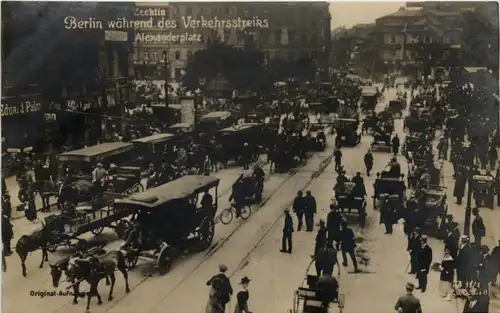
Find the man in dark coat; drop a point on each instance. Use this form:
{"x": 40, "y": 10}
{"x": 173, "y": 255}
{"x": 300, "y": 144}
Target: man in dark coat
{"x": 395, "y": 144}
{"x": 460, "y": 182}
{"x": 477, "y": 304}
{"x": 338, "y": 159}
{"x": 368, "y": 162}
{"x": 286, "y": 242}
{"x": 310, "y": 210}
{"x": 387, "y": 215}
{"x": 320, "y": 237}
{"x": 7, "y": 234}
{"x": 452, "y": 239}
{"x": 348, "y": 245}
{"x": 326, "y": 259}
{"x": 464, "y": 260}
{"x": 221, "y": 283}
{"x": 408, "y": 303}
{"x": 299, "y": 208}
{"x": 413, "y": 248}
{"x": 424, "y": 261}
{"x": 478, "y": 228}
{"x": 333, "y": 221}
{"x": 495, "y": 263}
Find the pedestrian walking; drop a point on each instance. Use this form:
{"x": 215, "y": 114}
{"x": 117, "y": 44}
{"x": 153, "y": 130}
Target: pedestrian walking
{"x": 310, "y": 210}
{"x": 30, "y": 206}
{"x": 408, "y": 303}
{"x": 451, "y": 242}
{"x": 286, "y": 241}
{"x": 7, "y": 234}
{"x": 493, "y": 156}
{"x": 395, "y": 144}
{"x": 320, "y": 242}
{"x": 333, "y": 221}
{"x": 368, "y": 162}
{"x": 338, "y": 159}
{"x": 447, "y": 276}
{"x": 299, "y": 208}
{"x": 348, "y": 245}
{"x": 414, "y": 249}
{"x": 459, "y": 188}
{"x": 464, "y": 261}
{"x": 243, "y": 296}
{"x": 387, "y": 215}
{"x": 478, "y": 228}
{"x": 220, "y": 292}
{"x": 424, "y": 261}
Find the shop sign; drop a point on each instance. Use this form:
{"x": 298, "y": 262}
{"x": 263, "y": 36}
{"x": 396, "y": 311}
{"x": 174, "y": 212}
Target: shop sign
{"x": 78, "y": 106}
{"x": 50, "y": 117}
{"x": 22, "y": 108}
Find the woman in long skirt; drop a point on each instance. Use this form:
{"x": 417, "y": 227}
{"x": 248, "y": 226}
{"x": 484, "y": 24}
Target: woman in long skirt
{"x": 242, "y": 297}
{"x": 30, "y": 209}
{"x": 447, "y": 275}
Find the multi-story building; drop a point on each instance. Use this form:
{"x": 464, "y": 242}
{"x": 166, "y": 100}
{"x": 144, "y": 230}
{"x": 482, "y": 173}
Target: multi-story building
{"x": 286, "y": 31}
{"x": 350, "y": 47}
{"x": 412, "y": 39}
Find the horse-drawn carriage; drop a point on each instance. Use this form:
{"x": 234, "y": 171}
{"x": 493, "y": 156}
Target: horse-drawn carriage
{"x": 431, "y": 200}
{"x": 232, "y": 139}
{"x": 150, "y": 149}
{"x": 387, "y": 183}
{"x": 483, "y": 187}
{"x": 396, "y": 107}
{"x": 169, "y": 222}
{"x": 382, "y": 134}
{"x": 78, "y": 186}
{"x": 423, "y": 172}
{"x": 315, "y": 298}
{"x": 348, "y": 131}
{"x": 350, "y": 202}
{"x": 369, "y": 99}
{"x": 415, "y": 146}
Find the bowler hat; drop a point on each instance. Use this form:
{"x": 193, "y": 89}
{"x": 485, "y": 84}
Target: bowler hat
{"x": 245, "y": 280}
{"x": 410, "y": 286}
{"x": 222, "y": 268}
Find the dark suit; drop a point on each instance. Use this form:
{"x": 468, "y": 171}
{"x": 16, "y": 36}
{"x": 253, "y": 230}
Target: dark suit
{"x": 320, "y": 239}
{"x": 451, "y": 242}
{"x": 463, "y": 263}
{"x": 478, "y": 230}
{"x": 478, "y": 304}
{"x": 298, "y": 208}
{"x": 424, "y": 261}
{"x": 287, "y": 234}
{"x": 310, "y": 210}
{"x": 221, "y": 283}
{"x": 348, "y": 246}
{"x": 333, "y": 225}
{"x": 408, "y": 304}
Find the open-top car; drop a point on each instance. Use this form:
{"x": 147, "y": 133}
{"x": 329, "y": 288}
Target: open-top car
{"x": 396, "y": 107}
{"x": 348, "y": 130}
{"x": 349, "y": 202}
{"x": 391, "y": 185}
{"x": 169, "y": 220}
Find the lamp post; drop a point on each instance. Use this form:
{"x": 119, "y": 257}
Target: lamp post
{"x": 165, "y": 71}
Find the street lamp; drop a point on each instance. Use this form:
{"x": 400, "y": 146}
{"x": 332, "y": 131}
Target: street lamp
{"x": 165, "y": 64}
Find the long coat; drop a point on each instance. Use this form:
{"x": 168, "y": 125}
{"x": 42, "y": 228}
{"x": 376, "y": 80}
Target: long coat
{"x": 460, "y": 182}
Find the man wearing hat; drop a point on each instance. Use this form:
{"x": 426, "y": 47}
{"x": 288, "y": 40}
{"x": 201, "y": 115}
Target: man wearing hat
{"x": 333, "y": 221}
{"x": 424, "y": 261}
{"x": 98, "y": 175}
{"x": 464, "y": 260}
{"x": 452, "y": 239}
{"x": 478, "y": 228}
{"x": 299, "y": 208}
{"x": 348, "y": 245}
{"x": 408, "y": 303}
{"x": 414, "y": 249}
{"x": 286, "y": 242}
{"x": 310, "y": 210}
{"x": 221, "y": 284}
{"x": 320, "y": 238}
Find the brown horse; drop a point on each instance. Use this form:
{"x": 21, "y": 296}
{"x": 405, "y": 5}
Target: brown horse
{"x": 39, "y": 239}
{"x": 92, "y": 270}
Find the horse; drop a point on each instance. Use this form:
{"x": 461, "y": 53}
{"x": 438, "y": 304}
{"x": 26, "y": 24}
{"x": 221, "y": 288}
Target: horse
{"x": 91, "y": 270}
{"x": 39, "y": 239}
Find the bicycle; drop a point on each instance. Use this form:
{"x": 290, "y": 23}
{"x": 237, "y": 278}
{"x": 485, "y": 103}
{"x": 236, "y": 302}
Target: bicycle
{"x": 228, "y": 214}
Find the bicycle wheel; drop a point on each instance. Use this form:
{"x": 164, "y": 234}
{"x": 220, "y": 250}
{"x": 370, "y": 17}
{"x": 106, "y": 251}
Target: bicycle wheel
{"x": 226, "y": 216}
{"x": 245, "y": 212}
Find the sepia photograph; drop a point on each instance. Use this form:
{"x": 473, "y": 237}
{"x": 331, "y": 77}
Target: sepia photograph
{"x": 250, "y": 157}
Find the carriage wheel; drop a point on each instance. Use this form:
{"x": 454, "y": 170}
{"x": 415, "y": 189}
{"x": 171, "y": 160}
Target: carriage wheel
{"x": 121, "y": 228}
{"x": 165, "y": 259}
{"x": 137, "y": 187}
{"x": 246, "y": 211}
{"x": 226, "y": 216}
{"x": 206, "y": 232}
{"x": 131, "y": 259}
{"x": 97, "y": 231}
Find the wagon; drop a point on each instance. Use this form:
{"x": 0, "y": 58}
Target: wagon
{"x": 168, "y": 221}
{"x": 125, "y": 180}
{"x": 369, "y": 100}
{"x": 349, "y": 203}
{"x": 151, "y": 148}
{"x": 312, "y": 299}
{"x": 348, "y": 131}
{"x": 394, "y": 187}
{"x": 232, "y": 139}
{"x": 434, "y": 208}
{"x": 396, "y": 107}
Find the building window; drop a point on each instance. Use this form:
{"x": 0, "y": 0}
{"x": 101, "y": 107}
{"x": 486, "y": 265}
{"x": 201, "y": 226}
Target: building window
{"x": 177, "y": 55}
{"x": 277, "y": 34}
{"x": 177, "y": 74}
{"x": 291, "y": 36}
{"x": 190, "y": 54}
{"x": 135, "y": 56}
{"x": 446, "y": 39}
{"x": 146, "y": 55}
{"x": 154, "y": 56}
{"x": 189, "y": 11}
{"x": 278, "y": 55}
{"x": 392, "y": 39}
{"x": 313, "y": 55}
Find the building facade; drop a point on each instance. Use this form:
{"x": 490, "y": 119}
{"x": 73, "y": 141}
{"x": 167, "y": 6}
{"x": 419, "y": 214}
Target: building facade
{"x": 415, "y": 40}
{"x": 286, "y": 31}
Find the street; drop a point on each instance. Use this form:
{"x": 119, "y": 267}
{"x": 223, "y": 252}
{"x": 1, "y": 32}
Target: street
{"x": 251, "y": 248}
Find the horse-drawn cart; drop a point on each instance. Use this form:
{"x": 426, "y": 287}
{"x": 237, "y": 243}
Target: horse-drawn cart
{"x": 168, "y": 221}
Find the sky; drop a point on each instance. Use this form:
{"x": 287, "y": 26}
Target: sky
{"x": 349, "y": 14}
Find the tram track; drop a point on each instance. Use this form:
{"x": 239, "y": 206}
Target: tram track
{"x": 215, "y": 248}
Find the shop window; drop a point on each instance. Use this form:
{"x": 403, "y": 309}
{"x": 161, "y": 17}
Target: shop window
{"x": 177, "y": 55}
